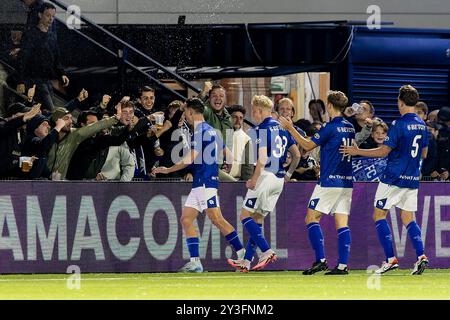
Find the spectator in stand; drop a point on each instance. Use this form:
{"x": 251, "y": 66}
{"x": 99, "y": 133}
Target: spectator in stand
{"x": 141, "y": 140}
{"x": 309, "y": 129}
{"x": 90, "y": 155}
{"x": 422, "y": 110}
{"x": 358, "y": 118}
{"x": 40, "y": 138}
{"x": 377, "y": 137}
{"x": 443, "y": 145}
{"x": 145, "y": 102}
{"x": 69, "y": 138}
{"x": 39, "y": 59}
{"x": 317, "y": 111}
{"x": 433, "y": 116}
{"x": 216, "y": 113}
{"x": 112, "y": 159}
{"x": 102, "y": 108}
{"x": 33, "y": 8}
{"x": 242, "y": 167}
{"x": 217, "y": 116}
{"x": 429, "y": 165}
{"x": 285, "y": 108}
{"x": 308, "y": 168}
{"x": 174, "y": 132}
{"x": 12, "y": 136}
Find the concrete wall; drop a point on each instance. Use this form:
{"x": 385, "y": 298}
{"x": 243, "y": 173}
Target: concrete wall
{"x": 404, "y": 13}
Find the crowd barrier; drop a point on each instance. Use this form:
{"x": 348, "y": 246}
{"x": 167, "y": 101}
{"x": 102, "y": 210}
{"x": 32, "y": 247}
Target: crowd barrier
{"x": 46, "y": 227}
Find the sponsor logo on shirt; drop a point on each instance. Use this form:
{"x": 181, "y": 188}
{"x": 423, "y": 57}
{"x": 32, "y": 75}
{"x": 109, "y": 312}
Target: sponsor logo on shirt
{"x": 337, "y": 176}
{"x": 345, "y": 129}
{"x": 416, "y": 127}
{"x": 414, "y": 178}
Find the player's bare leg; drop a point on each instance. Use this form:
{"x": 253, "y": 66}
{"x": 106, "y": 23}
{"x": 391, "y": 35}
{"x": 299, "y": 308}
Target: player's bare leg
{"x": 227, "y": 230}
{"x": 217, "y": 219}
{"x": 187, "y": 219}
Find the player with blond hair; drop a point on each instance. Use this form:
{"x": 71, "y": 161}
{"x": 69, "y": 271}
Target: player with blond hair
{"x": 265, "y": 186}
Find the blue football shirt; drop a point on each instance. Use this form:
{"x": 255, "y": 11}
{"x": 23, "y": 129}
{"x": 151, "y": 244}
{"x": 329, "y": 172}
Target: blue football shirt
{"x": 277, "y": 140}
{"x": 335, "y": 168}
{"x": 205, "y": 168}
{"x": 407, "y": 137}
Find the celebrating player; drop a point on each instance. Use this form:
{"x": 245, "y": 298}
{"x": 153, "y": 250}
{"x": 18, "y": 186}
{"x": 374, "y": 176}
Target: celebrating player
{"x": 406, "y": 144}
{"x": 333, "y": 194}
{"x": 203, "y": 196}
{"x": 266, "y": 184}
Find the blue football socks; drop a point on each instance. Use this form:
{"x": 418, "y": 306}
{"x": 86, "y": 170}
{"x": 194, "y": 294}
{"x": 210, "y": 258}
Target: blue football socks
{"x": 415, "y": 235}
{"x": 316, "y": 238}
{"x": 250, "y": 249}
{"x": 234, "y": 240}
{"x": 192, "y": 244}
{"x": 255, "y": 233}
{"x": 344, "y": 241}
{"x": 385, "y": 237}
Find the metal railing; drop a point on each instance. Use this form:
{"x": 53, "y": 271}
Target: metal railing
{"x": 130, "y": 48}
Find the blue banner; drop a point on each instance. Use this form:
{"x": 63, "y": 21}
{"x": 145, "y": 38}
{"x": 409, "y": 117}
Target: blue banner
{"x": 368, "y": 169}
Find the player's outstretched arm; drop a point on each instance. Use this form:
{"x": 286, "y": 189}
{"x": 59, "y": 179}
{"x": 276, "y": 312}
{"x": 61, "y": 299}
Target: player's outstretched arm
{"x": 306, "y": 144}
{"x": 186, "y": 161}
{"x": 353, "y": 150}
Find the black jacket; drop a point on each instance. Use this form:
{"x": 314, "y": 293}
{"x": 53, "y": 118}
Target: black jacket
{"x": 431, "y": 161}
{"x": 443, "y": 146}
{"x": 39, "y": 147}
{"x": 10, "y": 146}
{"x": 39, "y": 57}
{"x": 91, "y": 154}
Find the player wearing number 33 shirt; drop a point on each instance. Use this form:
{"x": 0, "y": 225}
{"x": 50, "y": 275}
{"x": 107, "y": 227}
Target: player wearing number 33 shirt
{"x": 406, "y": 145}
{"x": 272, "y": 143}
{"x": 333, "y": 193}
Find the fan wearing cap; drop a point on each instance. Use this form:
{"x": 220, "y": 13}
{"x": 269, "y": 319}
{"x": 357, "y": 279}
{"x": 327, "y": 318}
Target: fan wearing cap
{"x": 13, "y": 134}
{"x": 40, "y": 138}
{"x": 69, "y": 138}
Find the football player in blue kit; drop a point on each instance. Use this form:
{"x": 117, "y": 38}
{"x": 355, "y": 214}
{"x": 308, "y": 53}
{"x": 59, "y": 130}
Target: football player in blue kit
{"x": 405, "y": 146}
{"x": 333, "y": 193}
{"x": 203, "y": 160}
{"x": 272, "y": 144}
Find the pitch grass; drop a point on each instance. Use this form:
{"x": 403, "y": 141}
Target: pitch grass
{"x": 263, "y": 285}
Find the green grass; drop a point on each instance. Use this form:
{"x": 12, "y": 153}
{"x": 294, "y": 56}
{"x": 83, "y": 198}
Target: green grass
{"x": 433, "y": 284}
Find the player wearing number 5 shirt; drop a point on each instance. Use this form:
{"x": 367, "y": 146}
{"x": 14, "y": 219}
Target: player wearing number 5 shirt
{"x": 333, "y": 193}
{"x": 406, "y": 145}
